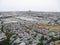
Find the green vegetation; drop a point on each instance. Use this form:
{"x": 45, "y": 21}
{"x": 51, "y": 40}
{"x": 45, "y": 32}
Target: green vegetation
{"x": 55, "y": 38}
{"x": 8, "y": 35}
{"x": 6, "y": 42}
{"x": 15, "y": 37}
{"x": 41, "y": 41}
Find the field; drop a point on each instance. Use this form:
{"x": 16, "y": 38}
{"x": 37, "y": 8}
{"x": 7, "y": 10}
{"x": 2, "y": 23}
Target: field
{"x": 57, "y": 44}
{"x": 47, "y": 26}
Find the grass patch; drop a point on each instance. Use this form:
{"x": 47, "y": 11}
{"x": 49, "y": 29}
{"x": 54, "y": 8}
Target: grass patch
{"x": 6, "y": 42}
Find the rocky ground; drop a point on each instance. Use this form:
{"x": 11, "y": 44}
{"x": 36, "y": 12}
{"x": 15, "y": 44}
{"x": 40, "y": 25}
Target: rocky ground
{"x": 30, "y": 30}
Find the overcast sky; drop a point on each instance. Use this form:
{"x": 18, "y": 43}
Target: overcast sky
{"x": 34, "y": 5}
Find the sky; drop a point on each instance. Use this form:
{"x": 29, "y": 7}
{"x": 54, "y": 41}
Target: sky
{"x": 33, "y": 5}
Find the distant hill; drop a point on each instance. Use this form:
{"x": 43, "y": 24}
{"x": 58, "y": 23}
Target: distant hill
{"x": 31, "y": 13}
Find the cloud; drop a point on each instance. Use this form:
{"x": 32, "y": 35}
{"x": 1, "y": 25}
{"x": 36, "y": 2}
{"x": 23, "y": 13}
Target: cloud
{"x": 34, "y": 5}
